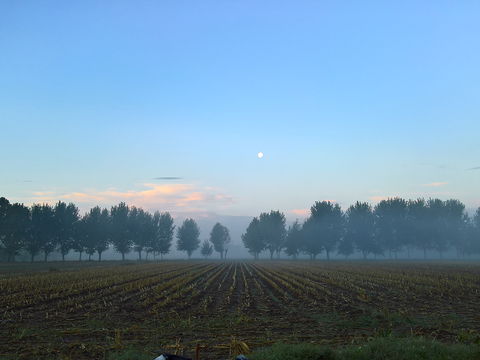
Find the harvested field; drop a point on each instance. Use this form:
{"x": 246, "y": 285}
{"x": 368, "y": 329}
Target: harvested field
{"x": 83, "y": 311}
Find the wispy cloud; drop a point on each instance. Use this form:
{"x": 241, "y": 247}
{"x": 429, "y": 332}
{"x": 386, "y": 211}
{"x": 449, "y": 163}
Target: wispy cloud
{"x": 167, "y": 178}
{"x": 168, "y": 197}
{"x": 436, "y": 184}
{"x": 380, "y": 198}
{"x": 475, "y": 168}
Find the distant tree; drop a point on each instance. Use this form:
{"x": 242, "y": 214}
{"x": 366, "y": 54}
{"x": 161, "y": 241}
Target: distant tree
{"x": 253, "y": 238}
{"x": 390, "y": 225}
{"x": 360, "y": 228}
{"x": 436, "y": 222}
{"x": 475, "y": 233}
{"x": 144, "y": 232}
{"x": 80, "y": 240}
{"x": 455, "y": 221}
{"x": 96, "y": 225}
{"x": 16, "y": 223}
{"x": 206, "y": 249}
{"x": 188, "y": 237}
{"x": 346, "y": 246}
{"x": 65, "y": 218}
{"x": 418, "y": 224}
{"x": 309, "y": 236}
{"x": 220, "y": 238}
{"x": 328, "y": 225}
{"x": 293, "y": 240}
{"x": 272, "y": 226}
{"x": 41, "y": 235}
{"x": 120, "y": 226}
{"x": 165, "y": 232}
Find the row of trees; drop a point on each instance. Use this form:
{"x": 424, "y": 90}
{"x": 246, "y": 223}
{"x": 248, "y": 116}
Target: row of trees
{"x": 392, "y": 226}
{"x": 43, "y": 228}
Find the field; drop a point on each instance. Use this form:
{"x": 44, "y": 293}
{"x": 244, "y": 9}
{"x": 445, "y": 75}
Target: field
{"x": 90, "y": 310}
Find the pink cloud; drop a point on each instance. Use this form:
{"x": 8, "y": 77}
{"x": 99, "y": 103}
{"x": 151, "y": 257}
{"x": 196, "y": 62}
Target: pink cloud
{"x": 436, "y": 184}
{"x": 301, "y": 212}
{"x": 155, "y": 197}
{"x": 380, "y": 198}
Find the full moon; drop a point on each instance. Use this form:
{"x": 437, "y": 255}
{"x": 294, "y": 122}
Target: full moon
{"x": 260, "y": 154}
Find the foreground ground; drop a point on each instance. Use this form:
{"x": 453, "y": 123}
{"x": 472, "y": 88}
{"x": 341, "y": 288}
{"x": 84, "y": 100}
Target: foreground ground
{"x": 91, "y": 310}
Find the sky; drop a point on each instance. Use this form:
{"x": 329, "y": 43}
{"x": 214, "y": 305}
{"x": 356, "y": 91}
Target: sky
{"x": 165, "y": 104}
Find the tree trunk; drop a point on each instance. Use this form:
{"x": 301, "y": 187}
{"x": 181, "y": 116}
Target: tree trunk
{"x": 32, "y": 257}
{"x": 99, "y": 256}
{"x": 424, "y": 254}
{"x": 46, "y": 255}
{"x": 161, "y": 256}
{"x": 63, "y": 256}
{"x": 364, "y": 255}
{"x": 123, "y": 256}
{"x": 140, "y": 255}
{"x": 396, "y": 258}
{"x": 328, "y": 255}
{"x": 408, "y": 250}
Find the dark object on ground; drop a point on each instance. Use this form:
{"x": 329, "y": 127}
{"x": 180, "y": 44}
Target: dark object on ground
{"x": 171, "y": 357}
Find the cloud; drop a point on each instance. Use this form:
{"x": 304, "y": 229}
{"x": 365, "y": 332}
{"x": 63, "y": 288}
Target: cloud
{"x": 167, "y": 178}
{"x": 475, "y": 168}
{"x": 380, "y": 198}
{"x": 168, "y": 197}
{"x": 436, "y": 184}
{"x": 301, "y": 212}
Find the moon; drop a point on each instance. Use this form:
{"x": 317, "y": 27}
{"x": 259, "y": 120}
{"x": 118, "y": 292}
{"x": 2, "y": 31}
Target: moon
{"x": 260, "y": 154}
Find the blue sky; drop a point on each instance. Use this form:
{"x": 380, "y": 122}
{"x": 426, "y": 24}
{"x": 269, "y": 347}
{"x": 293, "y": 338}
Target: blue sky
{"x": 348, "y": 100}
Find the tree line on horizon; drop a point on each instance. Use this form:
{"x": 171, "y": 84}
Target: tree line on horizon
{"x": 43, "y": 228}
{"x": 392, "y": 226}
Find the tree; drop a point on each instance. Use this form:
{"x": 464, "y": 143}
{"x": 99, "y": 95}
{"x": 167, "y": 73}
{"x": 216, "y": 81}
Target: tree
{"x": 456, "y": 220}
{"x": 417, "y": 225}
{"x": 165, "y": 232}
{"x": 16, "y": 223}
{"x": 390, "y": 224}
{"x": 65, "y": 218}
{"x": 327, "y": 225}
{"x": 206, "y": 249}
{"x": 272, "y": 226}
{"x": 293, "y": 240}
{"x": 220, "y": 238}
{"x": 42, "y": 230}
{"x": 436, "y": 222}
{"x": 119, "y": 233}
{"x": 253, "y": 238}
{"x": 96, "y": 223}
{"x": 360, "y": 228}
{"x": 145, "y": 231}
{"x": 188, "y": 237}
{"x": 310, "y": 243}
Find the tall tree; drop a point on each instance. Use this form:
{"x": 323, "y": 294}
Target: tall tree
{"x": 253, "y": 238}
{"x": 96, "y": 223}
{"x": 42, "y": 229}
{"x": 456, "y": 220}
{"x": 188, "y": 237}
{"x": 293, "y": 240}
{"x": 145, "y": 230}
{"x": 165, "y": 232}
{"x": 220, "y": 238}
{"x": 16, "y": 226}
{"x": 390, "y": 224}
{"x": 65, "y": 218}
{"x": 309, "y": 236}
{"x": 418, "y": 227}
{"x": 119, "y": 234}
{"x": 360, "y": 228}
{"x": 436, "y": 222}
{"x": 327, "y": 220}
{"x": 206, "y": 250}
{"x": 272, "y": 226}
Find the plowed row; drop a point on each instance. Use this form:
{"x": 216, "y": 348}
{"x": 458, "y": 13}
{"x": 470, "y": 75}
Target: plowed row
{"x": 170, "y": 306}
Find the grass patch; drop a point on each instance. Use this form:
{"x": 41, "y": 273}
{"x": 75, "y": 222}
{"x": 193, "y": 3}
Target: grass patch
{"x": 376, "y": 349}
